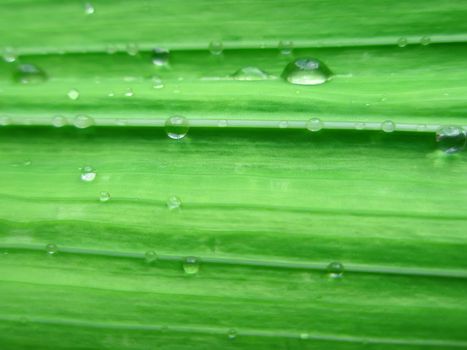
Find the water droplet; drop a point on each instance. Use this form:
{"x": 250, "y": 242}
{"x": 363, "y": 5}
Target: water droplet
{"x": 29, "y": 74}
{"x": 9, "y": 55}
{"x": 335, "y": 270}
{"x": 73, "y": 94}
{"x": 250, "y": 73}
{"x": 388, "y": 126}
{"x": 157, "y": 82}
{"x": 104, "y": 196}
{"x": 88, "y": 173}
{"x": 83, "y": 121}
{"x": 283, "y": 124}
{"x": 232, "y": 334}
{"x": 359, "y": 126}
{"x": 191, "y": 265}
{"x": 177, "y": 127}
{"x": 132, "y": 49}
{"x": 307, "y": 71}
{"x": 4, "y": 121}
{"x": 88, "y": 8}
{"x": 51, "y": 249}
{"x": 314, "y": 124}
{"x": 174, "y": 202}
{"x": 425, "y": 40}
{"x": 402, "y": 42}
{"x": 304, "y": 336}
{"x": 286, "y": 47}
{"x": 160, "y": 57}
{"x": 222, "y": 123}
{"x": 451, "y": 139}
{"x": 151, "y": 257}
{"x": 59, "y": 121}
{"x": 216, "y": 47}
{"x": 129, "y": 92}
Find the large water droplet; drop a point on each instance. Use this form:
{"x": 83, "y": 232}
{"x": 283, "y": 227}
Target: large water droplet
{"x": 51, "y": 249}
{"x": 73, "y": 94}
{"x": 104, "y": 196}
{"x": 89, "y": 8}
{"x": 177, "y": 127}
{"x": 174, "y": 202}
{"x": 29, "y": 74}
{"x": 216, "y": 47}
{"x": 388, "y": 126}
{"x": 191, "y": 265}
{"x": 335, "y": 270}
{"x": 83, "y": 121}
{"x": 451, "y": 139}
{"x": 314, "y": 124}
{"x": 59, "y": 121}
{"x": 160, "y": 57}
{"x": 9, "y": 55}
{"x": 151, "y": 257}
{"x": 307, "y": 71}
{"x": 88, "y": 173}
{"x": 250, "y": 73}
{"x": 286, "y": 47}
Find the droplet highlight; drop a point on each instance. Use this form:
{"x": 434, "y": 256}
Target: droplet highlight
{"x": 73, "y": 94}
{"x": 451, "y": 139}
{"x": 89, "y": 8}
{"x": 157, "y": 82}
{"x": 177, "y": 127}
{"x": 335, "y": 270}
{"x": 104, "y": 196}
{"x": 9, "y": 55}
{"x": 250, "y": 73}
{"x": 160, "y": 57}
{"x": 232, "y": 334}
{"x": 51, "y": 249}
{"x": 29, "y": 74}
{"x": 151, "y": 257}
{"x": 314, "y": 124}
{"x": 59, "y": 121}
{"x": 191, "y": 265}
{"x": 174, "y": 202}
{"x": 425, "y": 40}
{"x": 388, "y": 126}
{"x": 402, "y": 42}
{"x": 88, "y": 173}
{"x": 307, "y": 71}
{"x": 216, "y": 47}
{"x": 83, "y": 121}
{"x": 285, "y": 47}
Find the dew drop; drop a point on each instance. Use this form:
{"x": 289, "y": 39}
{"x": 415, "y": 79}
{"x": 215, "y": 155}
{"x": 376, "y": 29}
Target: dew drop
{"x": 59, "y": 121}
{"x": 129, "y": 92}
{"x": 174, "y": 203}
{"x": 160, "y": 57}
{"x": 51, "y": 249}
{"x": 304, "y": 336}
{"x": 232, "y": 334}
{"x": 307, "y": 71}
{"x": 285, "y": 47}
{"x": 9, "y": 55}
{"x": 83, "y": 121}
{"x": 359, "y": 126}
{"x": 283, "y": 124}
{"x": 388, "y": 126}
{"x": 222, "y": 123}
{"x": 29, "y": 74}
{"x": 216, "y": 47}
{"x": 176, "y": 127}
{"x": 402, "y": 42}
{"x": 88, "y": 173}
{"x": 314, "y": 124}
{"x": 132, "y": 49}
{"x": 335, "y": 270}
{"x": 104, "y": 196}
{"x": 451, "y": 139}
{"x": 151, "y": 257}
{"x": 191, "y": 265}
{"x": 250, "y": 73}
{"x": 89, "y": 8}
{"x": 425, "y": 40}
{"x": 73, "y": 94}
{"x": 157, "y": 82}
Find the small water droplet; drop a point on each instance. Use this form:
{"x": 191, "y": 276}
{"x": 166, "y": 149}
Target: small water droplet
{"x": 157, "y": 82}
{"x": 307, "y": 71}
{"x": 388, "y": 126}
{"x": 222, "y": 123}
{"x": 132, "y": 49}
{"x": 9, "y": 55}
{"x": 402, "y": 42}
{"x": 29, "y": 74}
{"x": 314, "y": 124}
{"x": 335, "y": 270}
{"x": 129, "y": 92}
{"x": 285, "y": 47}
{"x": 111, "y": 49}
{"x": 359, "y": 126}
{"x": 111, "y": 94}
{"x": 160, "y": 57}
{"x": 250, "y": 73}
{"x": 83, "y": 121}
{"x": 4, "y": 121}
{"x": 451, "y": 139}
{"x": 177, "y": 127}
{"x": 283, "y": 124}
{"x": 88, "y": 173}
{"x": 73, "y": 94}
{"x": 425, "y": 40}
{"x": 216, "y": 47}
{"x": 59, "y": 121}
{"x": 304, "y": 336}
{"x": 174, "y": 202}
{"x": 232, "y": 334}
{"x": 104, "y": 196}
{"x": 88, "y": 8}
{"x": 191, "y": 265}
{"x": 51, "y": 249}
{"x": 151, "y": 257}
